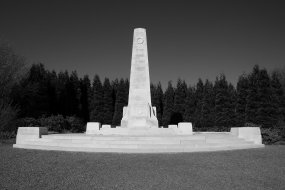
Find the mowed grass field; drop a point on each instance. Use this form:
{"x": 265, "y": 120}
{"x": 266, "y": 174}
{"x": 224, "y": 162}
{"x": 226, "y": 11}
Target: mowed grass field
{"x": 241, "y": 169}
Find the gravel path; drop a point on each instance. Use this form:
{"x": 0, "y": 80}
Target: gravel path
{"x": 243, "y": 169}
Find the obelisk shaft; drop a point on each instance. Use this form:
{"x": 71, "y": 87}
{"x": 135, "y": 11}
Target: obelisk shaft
{"x": 139, "y": 79}
{"x": 140, "y": 112}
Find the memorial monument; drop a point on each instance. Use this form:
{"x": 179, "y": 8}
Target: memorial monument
{"x": 139, "y": 113}
{"x": 139, "y": 131}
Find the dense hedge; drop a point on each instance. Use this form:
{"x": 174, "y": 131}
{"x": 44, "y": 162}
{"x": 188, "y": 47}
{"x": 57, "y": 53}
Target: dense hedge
{"x": 273, "y": 135}
{"x": 56, "y": 123}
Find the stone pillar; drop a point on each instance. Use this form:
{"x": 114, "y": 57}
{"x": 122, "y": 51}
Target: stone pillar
{"x": 248, "y": 133}
{"x": 139, "y": 113}
{"x": 93, "y": 128}
{"x": 185, "y": 128}
{"x": 27, "y": 134}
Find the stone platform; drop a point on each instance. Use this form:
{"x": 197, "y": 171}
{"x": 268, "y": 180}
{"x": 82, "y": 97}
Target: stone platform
{"x": 159, "y": 143}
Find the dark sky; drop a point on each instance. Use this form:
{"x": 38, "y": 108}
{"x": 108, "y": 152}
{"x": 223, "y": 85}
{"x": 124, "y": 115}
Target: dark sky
{"x": 186, "y": 39}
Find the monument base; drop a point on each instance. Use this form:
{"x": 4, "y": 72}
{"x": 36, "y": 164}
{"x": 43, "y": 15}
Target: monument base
{"x": 139, "y": 121}
{"x": 130, "y": 141}
{"x": 137, "y": 131}
{"x": 183, "y": 128}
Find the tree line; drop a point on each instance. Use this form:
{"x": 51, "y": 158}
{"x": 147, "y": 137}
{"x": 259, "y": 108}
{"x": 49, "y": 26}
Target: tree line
{"x": 257, "y": 98}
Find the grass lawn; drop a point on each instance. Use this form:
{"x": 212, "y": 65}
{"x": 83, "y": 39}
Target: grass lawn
{"x": 241, "y": 169}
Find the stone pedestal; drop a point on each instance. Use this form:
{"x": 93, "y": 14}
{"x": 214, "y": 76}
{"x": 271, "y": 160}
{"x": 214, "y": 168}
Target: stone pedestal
{"x": 248, "y": 133}
{"x": 25, "y": 134}
{"x": 185, "y": 128}
{"x": 93, "y": 128}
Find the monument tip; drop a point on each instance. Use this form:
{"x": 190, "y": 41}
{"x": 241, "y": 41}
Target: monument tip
{"x": 139, "y": 29}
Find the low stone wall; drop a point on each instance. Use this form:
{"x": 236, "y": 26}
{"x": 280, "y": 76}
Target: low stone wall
{"x": 183, "y": 128}
{"x": 248, "y": 133}
{"x": 25, "y": 134}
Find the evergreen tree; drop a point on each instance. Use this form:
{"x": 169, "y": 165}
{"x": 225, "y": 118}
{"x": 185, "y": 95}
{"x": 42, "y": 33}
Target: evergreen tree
{"x": 72, "y": 88}
{"x": 242, "y": 90}
{"x": 198, "y": 103}
{"x": 51, "y": 92}
{"x": 158, "y": 103}
{"x": 222, "y": 102}
{"x": 207, "y": 106}
{"x": 33, "y": 94}
{"x": 278, "y": 101}
{"x": 38, "y": 77}
{"x": 189, "y": 114}
{"x": 157, "y": 100}
{"x": 108, "y": 109}
{"x": 115, "y": 85}
{"x": 179, "y": 97}
{"x": 85, "y": 89}
{"x": 63, "y": 80}
{"x": 127, "y": 87}
{"x": 152, "y": 92}
{"x": 121, "y": 101}
{"x": 265, "y": 111}
{"x": 232, "y": 105}
{"x": 252, "y": 99}
{"x": 168, "y": 105}
{"x": 37, "y": 73}
{"x": 96, "y": 103}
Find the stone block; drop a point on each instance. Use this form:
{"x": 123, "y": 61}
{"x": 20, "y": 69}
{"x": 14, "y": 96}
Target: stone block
{"x": 29, "y": 134}
{"x": 106, "y": 127}
{"x": 248, "y": 133}
{"x": 172, "y": 126}
{"x": 92, "y": 128}
{"x": 185, "y": 128}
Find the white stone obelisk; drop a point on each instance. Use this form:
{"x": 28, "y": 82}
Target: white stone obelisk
{"x": 139, "y": 113}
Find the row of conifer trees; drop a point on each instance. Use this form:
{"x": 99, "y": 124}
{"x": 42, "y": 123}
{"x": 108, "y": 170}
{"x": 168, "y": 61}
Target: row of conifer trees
{"x": 258, "y": 98}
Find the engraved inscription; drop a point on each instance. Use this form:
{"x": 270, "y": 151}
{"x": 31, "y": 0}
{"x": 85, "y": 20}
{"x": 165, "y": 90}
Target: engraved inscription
{"x": 140, "y": 40}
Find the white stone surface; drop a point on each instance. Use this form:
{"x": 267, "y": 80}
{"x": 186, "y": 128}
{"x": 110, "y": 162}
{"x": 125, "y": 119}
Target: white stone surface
{"x": 185, "y": 128}
{"x": 140, "y": 144}
{"x": 93, "y": 128}
{"x": 139, "y": 113}
{"x": 137, "y": 131}
{"x": 25, "y": 134}
{"x": 172, "y": 126}
{"x": 248, "y": 133}
{"x": 106, "y": 127}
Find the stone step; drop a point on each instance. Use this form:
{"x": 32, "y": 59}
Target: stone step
{"x": 133, "y": 144}
{"x": 145, "y": 140}
{"x": 136, "y": 150}
{"x": 224, "y": 141}
{"x": 132, "y": 141}
{"x": 111, "y": 137}
{"x": 116, "y": 141}
{"x": 217, "y": 142}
